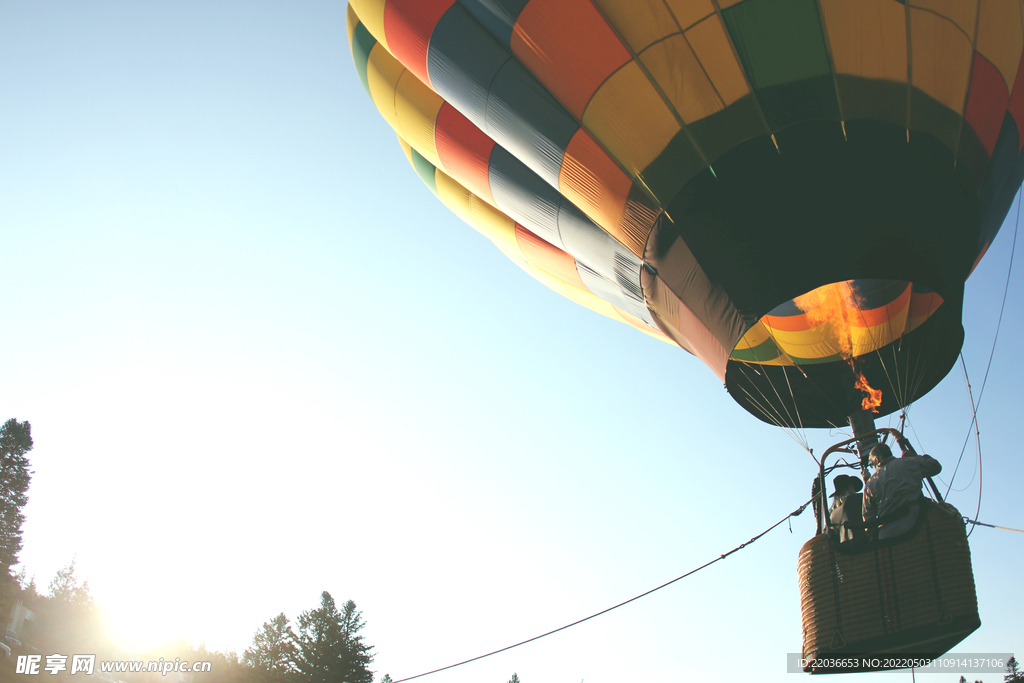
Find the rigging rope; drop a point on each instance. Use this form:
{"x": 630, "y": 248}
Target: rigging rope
{"x": 626, "y": 602}
{"x": 1002, "y": 306}
{"x": 984, "y": 381}
{"x": 981, "y": 480}
{"x": 974, "y": 426}
{"x": 777, "y": 419}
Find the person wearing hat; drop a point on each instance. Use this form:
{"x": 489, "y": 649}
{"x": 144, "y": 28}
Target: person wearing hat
{"x": 846, "y": 507}
{"x": 894, "y": 490}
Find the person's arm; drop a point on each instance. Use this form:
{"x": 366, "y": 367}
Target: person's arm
{"x": 930, "y": 466}
{"x": 869, "y": 505}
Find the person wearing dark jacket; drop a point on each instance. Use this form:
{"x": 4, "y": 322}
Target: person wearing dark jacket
{"x": 896, "y": 486}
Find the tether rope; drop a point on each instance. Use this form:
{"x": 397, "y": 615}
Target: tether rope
{"x": 992, "y": 526}
{"x": 626, "y": 602}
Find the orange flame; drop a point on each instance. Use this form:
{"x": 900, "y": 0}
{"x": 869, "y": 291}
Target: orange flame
{"x": 832, "y": 306}
{"x": 872, "y": 397}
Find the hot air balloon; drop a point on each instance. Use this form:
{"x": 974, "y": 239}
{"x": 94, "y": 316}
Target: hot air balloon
{"x": 793, "y": 191}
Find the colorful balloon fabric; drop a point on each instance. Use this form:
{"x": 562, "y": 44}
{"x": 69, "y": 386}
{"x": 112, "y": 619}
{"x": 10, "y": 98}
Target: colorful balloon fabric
{"x": 794, "y": 191}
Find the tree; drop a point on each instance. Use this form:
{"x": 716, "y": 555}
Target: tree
{"x": 225, "y": 667}
{"x": 514, "y": 679}
{"x": 359, "y": 653}
{"x": 273, "y": 650}
{"x": 66, "y": 590}
{"x": 15, "y": 442}
{"x": 330, "y": 649}
{"x": 27, "y": 583}
{"x": 69, "y": 616}
{"x": 1013, "y": 672}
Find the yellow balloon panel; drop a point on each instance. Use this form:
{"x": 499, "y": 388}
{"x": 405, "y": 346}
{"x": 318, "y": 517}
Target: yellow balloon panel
{"x": 940, "y": 58}
{"x": 868, "y": 38}
{"x": 638, "y": 23}
{"x": 713, "y": 49}
{"x": 682, "y": 78}
{"x": 382, "y": 74}
{"x": 628, "y": 117}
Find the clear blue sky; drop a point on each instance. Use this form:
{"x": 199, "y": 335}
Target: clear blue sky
{"x": 261, "y": 360}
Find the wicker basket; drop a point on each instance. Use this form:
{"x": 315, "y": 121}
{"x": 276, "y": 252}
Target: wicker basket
{"x": 908, "y": 596}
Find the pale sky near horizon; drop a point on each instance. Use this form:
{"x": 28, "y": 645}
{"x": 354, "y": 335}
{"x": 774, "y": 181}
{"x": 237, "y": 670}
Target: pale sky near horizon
{"x": 261, "y": 361}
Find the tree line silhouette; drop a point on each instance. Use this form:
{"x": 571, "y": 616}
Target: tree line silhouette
{"x": 324, "y": 645}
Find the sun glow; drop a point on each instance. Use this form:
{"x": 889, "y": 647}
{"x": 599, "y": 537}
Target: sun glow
{"x": 141, "y": 626}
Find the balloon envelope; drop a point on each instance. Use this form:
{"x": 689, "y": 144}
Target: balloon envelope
{"x": 793, "y": 191}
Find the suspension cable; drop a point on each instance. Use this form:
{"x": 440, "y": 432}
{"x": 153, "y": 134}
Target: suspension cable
{"x": 767, "y": 408}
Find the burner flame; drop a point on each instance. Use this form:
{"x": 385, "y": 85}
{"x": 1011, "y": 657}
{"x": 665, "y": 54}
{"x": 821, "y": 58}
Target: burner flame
{"x": 834, "y": 307}
{"x": 872, "y": 397}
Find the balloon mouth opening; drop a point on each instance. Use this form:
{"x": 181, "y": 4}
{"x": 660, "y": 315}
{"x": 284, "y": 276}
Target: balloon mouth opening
{"x": 839, "y": 321}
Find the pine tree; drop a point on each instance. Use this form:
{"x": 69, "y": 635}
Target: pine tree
{"x": 330, "y": 649}
{"x": 273, "y": 651}
{"x": 358, "y": 654}
{"x": 1013, "y": 672}
{"x": 15, "y": 442}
